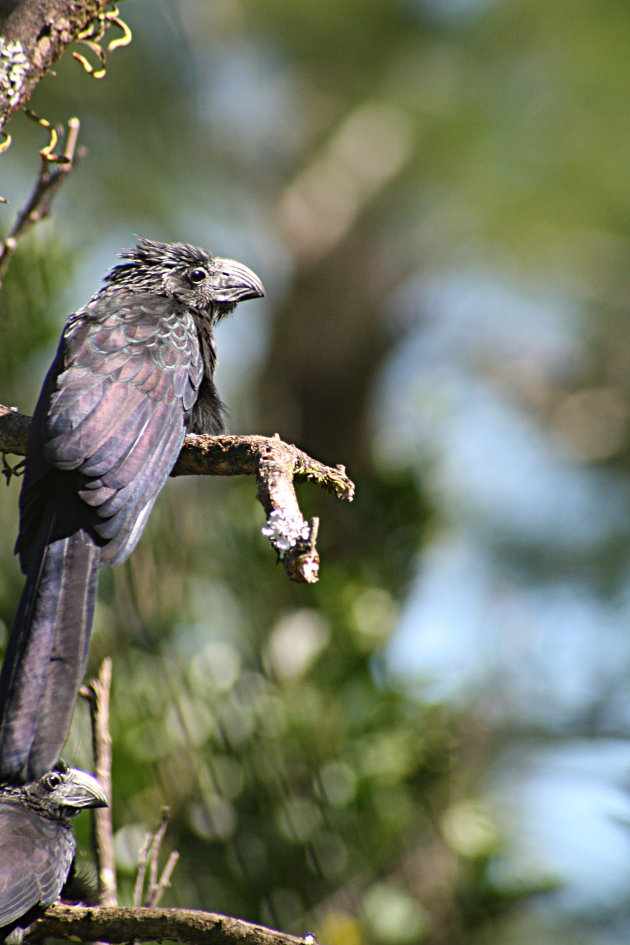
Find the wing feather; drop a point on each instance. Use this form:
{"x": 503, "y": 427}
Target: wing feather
{"x": 113, "y": 415}
{"x": 86, "y": 433}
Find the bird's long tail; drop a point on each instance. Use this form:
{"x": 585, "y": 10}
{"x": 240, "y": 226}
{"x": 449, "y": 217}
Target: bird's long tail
{"x": 46, "y": 655}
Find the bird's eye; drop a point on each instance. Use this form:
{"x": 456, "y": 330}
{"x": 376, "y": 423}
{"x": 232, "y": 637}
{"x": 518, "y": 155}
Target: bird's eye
{"x": 53, "y": 781}
{"x": 197, "y": 275}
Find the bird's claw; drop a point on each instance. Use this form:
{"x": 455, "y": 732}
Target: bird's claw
{"x": 9, "y": 471}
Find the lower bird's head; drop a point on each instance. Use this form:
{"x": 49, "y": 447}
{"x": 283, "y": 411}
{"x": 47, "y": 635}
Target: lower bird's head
{"x": 205, "y": 283}
{"x": 63, "y": 792}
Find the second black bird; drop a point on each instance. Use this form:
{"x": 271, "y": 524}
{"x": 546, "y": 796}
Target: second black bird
{"x": 37, "y": 842}
{"x": 133, "y": 373}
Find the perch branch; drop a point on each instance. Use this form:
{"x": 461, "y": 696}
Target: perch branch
{"x": 277, "y": 466}
{"x": 52, "y": 174}
{"x": 96, "y": 692}
{"x": 118, "y": 925}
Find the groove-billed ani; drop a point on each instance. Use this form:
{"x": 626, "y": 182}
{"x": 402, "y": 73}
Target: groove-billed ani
{"x": 37, "y": 842}
{"x": 133, "y": 373}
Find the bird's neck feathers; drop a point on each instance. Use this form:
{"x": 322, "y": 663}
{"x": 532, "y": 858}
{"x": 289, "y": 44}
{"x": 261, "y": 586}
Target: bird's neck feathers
{"x": 22, "y": 796}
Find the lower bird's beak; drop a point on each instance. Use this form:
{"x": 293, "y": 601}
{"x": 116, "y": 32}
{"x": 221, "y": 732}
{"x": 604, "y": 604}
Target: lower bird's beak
{"x": 82, "y": 790}
{"x": 235, "y": 282}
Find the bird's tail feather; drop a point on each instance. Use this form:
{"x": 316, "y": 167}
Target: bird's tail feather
{"x": 46, "y": 655}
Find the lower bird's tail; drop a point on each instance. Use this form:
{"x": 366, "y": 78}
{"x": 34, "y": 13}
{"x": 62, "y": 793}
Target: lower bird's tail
{"x": 46, "y": 655}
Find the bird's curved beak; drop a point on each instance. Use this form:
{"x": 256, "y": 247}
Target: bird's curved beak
{"x": 235, "y": 282}
{"x": 81, "y": 790}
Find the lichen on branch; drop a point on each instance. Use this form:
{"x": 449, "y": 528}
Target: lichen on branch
{"x": 33, "y": 38}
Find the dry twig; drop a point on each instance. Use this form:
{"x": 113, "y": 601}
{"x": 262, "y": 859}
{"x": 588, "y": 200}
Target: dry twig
{"x": 52, "y": 173}
{"x": 97, "y": 693}
{"x": 149, "y": 856}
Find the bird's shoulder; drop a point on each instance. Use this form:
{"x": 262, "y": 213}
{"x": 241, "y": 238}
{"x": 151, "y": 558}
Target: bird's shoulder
{"x": 133, "y": 324}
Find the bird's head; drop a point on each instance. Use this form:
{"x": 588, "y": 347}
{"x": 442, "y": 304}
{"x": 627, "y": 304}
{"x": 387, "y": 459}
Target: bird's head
{"x": 207, "y": 284}
{"x": 63, "y": 792}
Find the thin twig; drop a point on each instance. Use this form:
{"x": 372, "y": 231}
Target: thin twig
{"x": 143, "y": 859}
{"x": 165, "y": 879}
{"x": 97, "y": 693}
{"x": 51, "y": 176}
{"x": 155, "y": 850}
{"x": 149, "y": 857}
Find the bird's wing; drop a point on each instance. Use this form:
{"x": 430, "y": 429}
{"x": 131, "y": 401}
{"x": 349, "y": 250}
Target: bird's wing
{"x": 112, "y": 413}
{"x": 35, "y": 858}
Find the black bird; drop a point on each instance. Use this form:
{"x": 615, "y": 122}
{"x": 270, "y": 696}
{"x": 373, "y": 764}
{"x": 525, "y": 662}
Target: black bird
{"x": 133, "y": 373}
{"x": 37, "y": 843}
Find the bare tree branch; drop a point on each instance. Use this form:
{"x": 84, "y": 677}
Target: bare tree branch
{"x": 52, "y": 174}
{"x": 190, "y": 926}
{"x": 277, "y": 466}
{"x": 14, "y": 429}
{"x": 33, "y": 38}
{"x": 97, "y": 693}
{"x": 238, "y": 455}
